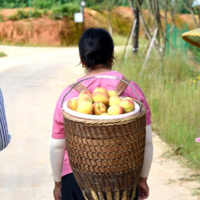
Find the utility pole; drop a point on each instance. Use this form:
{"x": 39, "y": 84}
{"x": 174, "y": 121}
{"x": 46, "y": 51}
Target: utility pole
{"x": 82, "y": 11}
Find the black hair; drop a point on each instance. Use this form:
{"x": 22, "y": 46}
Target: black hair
{"x": 96, "y": 47}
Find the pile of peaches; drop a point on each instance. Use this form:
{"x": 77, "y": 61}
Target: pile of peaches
{"x": 101, "y": 102}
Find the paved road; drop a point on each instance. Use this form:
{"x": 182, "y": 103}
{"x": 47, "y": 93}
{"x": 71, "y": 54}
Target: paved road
{"x": 31, "y": 85}
{"x": 31, "y": 80}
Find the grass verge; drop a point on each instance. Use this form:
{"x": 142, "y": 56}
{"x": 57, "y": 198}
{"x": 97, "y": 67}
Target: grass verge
{"x": 173, "y": 93}
{"x": 119, "y": 40}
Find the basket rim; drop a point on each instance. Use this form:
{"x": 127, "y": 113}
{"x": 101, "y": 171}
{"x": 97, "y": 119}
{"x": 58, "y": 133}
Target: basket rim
{"x": 106, "y": 122}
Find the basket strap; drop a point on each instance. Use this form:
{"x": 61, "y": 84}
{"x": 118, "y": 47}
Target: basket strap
{"x": 79, "y": 88}
{"x": 122, "y": 86}
{"x": 119, "y": 88}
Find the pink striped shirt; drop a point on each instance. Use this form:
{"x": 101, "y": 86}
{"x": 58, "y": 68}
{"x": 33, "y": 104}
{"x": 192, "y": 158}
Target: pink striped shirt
{"x": 91, "y": 84}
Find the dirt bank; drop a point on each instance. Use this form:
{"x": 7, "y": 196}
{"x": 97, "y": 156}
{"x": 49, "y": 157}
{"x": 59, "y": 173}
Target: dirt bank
{"x": 49, "y": 32}
{"x": 46, "y": 31}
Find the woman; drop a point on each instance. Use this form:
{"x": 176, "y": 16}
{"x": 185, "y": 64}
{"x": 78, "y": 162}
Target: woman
{"x": 4, "y": 136}
{"x": 96, "y": 50}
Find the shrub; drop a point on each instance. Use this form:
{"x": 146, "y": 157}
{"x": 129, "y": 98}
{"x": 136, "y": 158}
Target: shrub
{"x": 45, "y": 12}
{"x": 1, "y": 18}
{"x": 2, "y": 54}
{"x": 36, "y": 14}
{"x": 56, "y": 13}
{"x": 66, "y": 10}
{"x": 20, "y": 14}
{"x": 42, "y": 4}
{"x": 7, "y": 5}
{"x": 121, "y": 24}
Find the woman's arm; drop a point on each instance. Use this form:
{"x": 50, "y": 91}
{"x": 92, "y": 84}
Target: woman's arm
{"x": 4, "y": 136}
{"x": 148, "y": 156}
{"x": 57, "y": 151}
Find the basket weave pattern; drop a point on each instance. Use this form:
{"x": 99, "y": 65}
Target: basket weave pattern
{"x": 106, "y": 156}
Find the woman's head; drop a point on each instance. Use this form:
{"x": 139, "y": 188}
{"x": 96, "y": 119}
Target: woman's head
{"x": 96, "y": 47}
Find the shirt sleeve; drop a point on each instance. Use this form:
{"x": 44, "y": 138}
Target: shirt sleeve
{"x": 4, "y": 135}
{"x": 58, "y": 131}
{"x": 129, "y": 92}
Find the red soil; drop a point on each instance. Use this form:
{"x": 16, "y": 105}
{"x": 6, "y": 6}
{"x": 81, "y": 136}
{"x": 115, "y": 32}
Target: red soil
{"x": 45, "y": 31}
{"x": 42, "y": 31}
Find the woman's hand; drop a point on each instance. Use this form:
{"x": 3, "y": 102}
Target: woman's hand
{"x": 57, "y": 191}
{"x": 143, "y": 188}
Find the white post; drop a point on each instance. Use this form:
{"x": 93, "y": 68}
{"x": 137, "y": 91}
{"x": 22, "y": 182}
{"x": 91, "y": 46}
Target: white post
{"x": 129, "y": 41}
{"x": 149, "y": 50}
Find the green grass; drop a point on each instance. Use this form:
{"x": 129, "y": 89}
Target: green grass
{"x": 2, "y": 54}
{"x": 174, "y": 99}
{"x": 119, "y": 40}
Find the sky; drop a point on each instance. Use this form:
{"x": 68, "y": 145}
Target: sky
{"x": 197, "y": 2}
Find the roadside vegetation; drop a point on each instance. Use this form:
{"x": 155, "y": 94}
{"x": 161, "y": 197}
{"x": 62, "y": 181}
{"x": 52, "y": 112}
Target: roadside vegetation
{"x": 2, "y": 54}
{"x": 174, "y": 97}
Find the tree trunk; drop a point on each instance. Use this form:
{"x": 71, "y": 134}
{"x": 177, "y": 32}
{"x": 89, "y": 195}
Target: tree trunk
{"x": 164, "y": 38}
{"x": 190, "y": 9}
{"x": 136, "y": 14}
{"x": 158, "y": 22}
{"x": 136, "y": 31}
{"x": 147, "y": 30}
{"x": 110, "y": 16}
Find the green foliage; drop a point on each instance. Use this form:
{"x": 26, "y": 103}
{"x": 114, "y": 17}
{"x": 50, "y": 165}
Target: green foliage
{"x": 48, "y": 4}
{"x": 13, "y": 3}
{"x": 2, "y": 54}
{"x": 36, "y": 14}
{"x": 39, "y": 4}
{"x": 5, "y": 4}
{"x": 120, "y": 24}
{"x": 119, "y": 40}
{"x": 173, "y": 96}
{"x": 1, "y": 18}
{"x": 195, "y": 52}
{"x": 66, "y": 10}
{"x": 45, "y": 12}
{"x": 56, "y": 13}
{"x": 20, "y": 14}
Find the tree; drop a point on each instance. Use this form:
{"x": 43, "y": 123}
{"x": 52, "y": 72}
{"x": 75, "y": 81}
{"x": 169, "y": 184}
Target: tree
{"x": 190, "y": 6}
{"x": 135, "y": 4}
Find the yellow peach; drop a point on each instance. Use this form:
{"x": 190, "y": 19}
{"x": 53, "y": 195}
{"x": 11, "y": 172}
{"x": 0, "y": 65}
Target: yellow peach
{"x": 101, "y": 89}
{"x": 100, "y": 97}
{"x": 115, "y": 110}
{"x": 127, "y": 105}
{"x": 84, "y": 97}
{"x": 72, "y": 104}
{"x": 112, "y": 93}
{"x": 85, "y": 107}
{"x": 128, "y": 98}
{"x": 114, "y": 100}
{"x": 99, "y": 108}
{"x": 86, "y": 92}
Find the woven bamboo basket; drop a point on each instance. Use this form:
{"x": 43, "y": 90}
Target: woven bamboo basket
{"x": 106, "y": 156}
{"x": 192, "y": 37}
